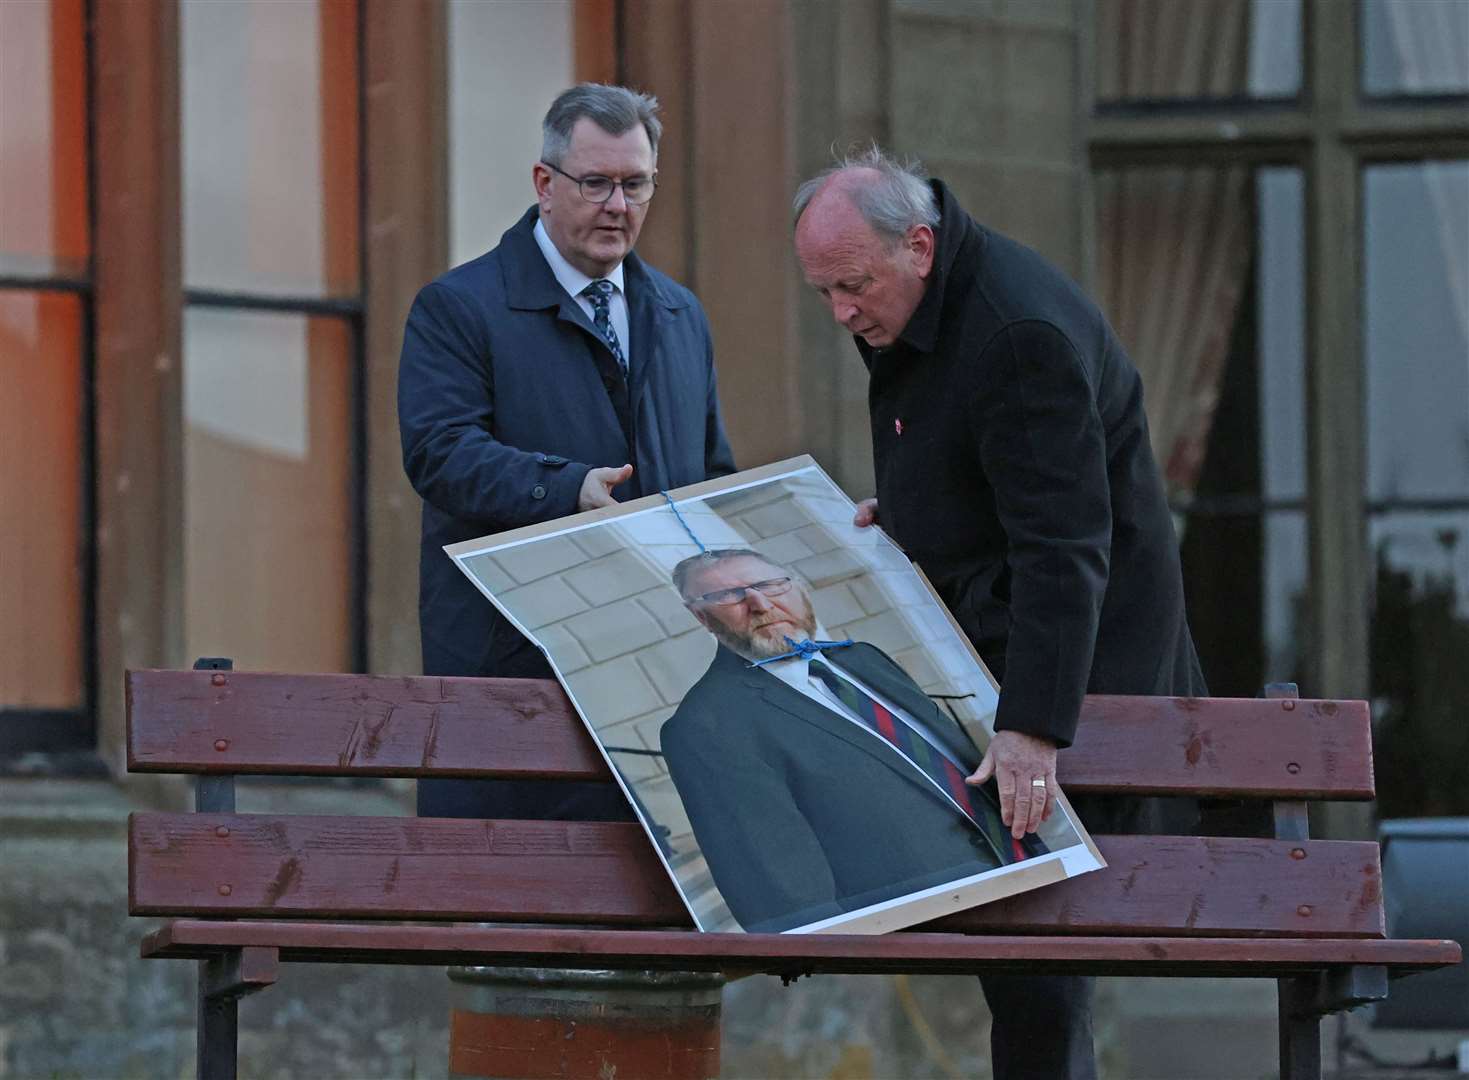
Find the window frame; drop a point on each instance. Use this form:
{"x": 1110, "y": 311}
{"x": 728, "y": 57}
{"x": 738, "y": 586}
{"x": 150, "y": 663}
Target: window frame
{"x": 64, "y": 741}
{"x": 1331, "y": 132}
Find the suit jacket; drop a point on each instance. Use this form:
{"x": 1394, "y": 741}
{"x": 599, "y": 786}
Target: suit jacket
{"x": 507, "y": 397}
{"x": 1013, "y": 464}
{"x": 800, "y": 813}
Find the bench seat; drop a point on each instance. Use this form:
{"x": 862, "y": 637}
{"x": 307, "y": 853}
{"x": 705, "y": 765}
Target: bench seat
{"x": 790, "y": 955}
{"x": 247, "y": 893}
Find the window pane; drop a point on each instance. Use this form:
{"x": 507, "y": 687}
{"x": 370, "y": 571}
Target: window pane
{"x": 43, "y": 143}
{"x": 1286, "y": 580}
{"x": 1420, "y": 683}
{"x": 1280, "y": 330}
{"x": 1245, "y": 579}
{"x": 41, "y": 443}
{"x": 1415, "y": 47}
{"x": 268, "y": 507}
{"x": 1416, "y": 309}
{"x": 1202, "y": 273}
{"x": 1163, "y": 50}
{"x": 270, "y": 146}
{"x": 1176, "y": 250}
{"x": 506, "y": 63}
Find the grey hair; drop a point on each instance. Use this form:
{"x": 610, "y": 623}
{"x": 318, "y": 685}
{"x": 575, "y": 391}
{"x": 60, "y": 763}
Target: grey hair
{"x": 614, "y": 109}
{"x": 687, "y": 568}
{"x": 896, "y": 199}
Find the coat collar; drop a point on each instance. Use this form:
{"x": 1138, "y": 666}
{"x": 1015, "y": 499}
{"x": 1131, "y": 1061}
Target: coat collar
{"x": 957, "y": 233}
{"x": 531, "y": 286}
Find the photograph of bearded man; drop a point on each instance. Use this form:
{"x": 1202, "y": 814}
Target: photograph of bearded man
{"x": 818, "y": 780}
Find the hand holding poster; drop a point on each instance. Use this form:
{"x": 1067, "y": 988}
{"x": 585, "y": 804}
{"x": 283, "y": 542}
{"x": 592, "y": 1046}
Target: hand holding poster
{"x": 785, "y": 702}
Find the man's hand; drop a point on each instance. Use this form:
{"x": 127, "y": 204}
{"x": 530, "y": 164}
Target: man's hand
{"x": 1015, "y": 759}
{"x": 596, "y": 489}
{"x": 866, "y": 514}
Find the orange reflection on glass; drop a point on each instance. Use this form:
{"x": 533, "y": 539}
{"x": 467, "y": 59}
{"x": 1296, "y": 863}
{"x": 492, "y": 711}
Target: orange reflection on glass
{"x": 43, "y": 138}
{"x": 267, "y": 471}
{"x": 41, "y": 551}
{"x": 270, "y": 146}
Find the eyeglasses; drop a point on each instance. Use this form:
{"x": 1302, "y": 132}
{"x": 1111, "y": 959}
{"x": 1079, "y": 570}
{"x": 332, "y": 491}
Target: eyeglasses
{"x": 724, "y": 597}
{"x": 598, "y": 189}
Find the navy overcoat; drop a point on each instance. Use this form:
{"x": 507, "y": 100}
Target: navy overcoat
{"x": 507, "y": 396}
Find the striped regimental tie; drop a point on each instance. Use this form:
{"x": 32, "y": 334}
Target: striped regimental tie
{"x": 945, "y": 775}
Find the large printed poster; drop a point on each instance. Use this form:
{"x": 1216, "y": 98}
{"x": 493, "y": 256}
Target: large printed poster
{"x": 787, "y": 705}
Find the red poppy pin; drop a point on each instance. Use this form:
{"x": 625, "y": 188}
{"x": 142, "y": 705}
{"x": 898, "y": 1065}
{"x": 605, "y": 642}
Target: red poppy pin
{"x": 898, "y": 425}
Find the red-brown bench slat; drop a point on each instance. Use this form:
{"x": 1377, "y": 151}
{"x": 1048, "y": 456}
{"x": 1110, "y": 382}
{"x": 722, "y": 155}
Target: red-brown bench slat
{"x": 362, "y": 725}
{"x": 363, "y": 867}
{"x": 784, "y": 954}
{"x": 251, "y": 722}
{"x": 385, "y": 868}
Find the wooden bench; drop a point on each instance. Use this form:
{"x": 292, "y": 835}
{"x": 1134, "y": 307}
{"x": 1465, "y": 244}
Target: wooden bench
{"x": 247, "y": 892}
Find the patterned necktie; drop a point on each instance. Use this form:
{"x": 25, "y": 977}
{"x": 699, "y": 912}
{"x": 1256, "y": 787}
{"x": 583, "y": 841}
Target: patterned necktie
{"x": 599, "y": 293}
{"x": 934, "y": 764}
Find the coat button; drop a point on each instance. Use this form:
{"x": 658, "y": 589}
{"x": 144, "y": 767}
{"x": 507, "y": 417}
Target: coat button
{"x": 538, "y": 492}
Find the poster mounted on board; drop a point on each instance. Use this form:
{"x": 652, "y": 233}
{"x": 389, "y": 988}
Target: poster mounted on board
{"x": 786, "y": 703}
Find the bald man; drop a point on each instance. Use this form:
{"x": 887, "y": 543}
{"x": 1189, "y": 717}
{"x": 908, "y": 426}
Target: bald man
{"x": 1013, "y": 465}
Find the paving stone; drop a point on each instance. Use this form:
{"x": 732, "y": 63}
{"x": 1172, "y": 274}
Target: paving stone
{"x": 598, "y": 540}
{"x": 491, "y": 573}
{"x": 783, "y": 550}
{"x": 566, "y": 652}
{"x": 614, "y": 629}
{"x": 620, "y": 574}
{"x": 676, "y": 664}
{"x": 539, "y": 558}
{"x": 818, "y": 538}
{"x": 777, "y": 518}
{"x": 612, "y": 691}
{"x": 835, "y": 605}
{"x": 888, "y": 631}
{"x": 829, "y": 567}
{"x": 546, "y": 601}
{"x": 870, "y": 594}
{"x": 670, "y": 611}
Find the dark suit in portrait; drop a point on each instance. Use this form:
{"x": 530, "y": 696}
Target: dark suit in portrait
{"x": 801, "y": 813}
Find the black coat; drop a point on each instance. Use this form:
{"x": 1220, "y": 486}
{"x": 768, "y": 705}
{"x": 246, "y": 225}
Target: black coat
{"x": 507, "y": 396}
{"x": 800, "y": 814}
{"x": 1013, "y": 465}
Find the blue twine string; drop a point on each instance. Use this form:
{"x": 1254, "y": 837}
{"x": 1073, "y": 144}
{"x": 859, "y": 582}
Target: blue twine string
{"x": 804, "y": 649}
{"x": 672, "y": 506}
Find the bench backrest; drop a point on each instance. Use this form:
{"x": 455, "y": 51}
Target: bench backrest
{"x": 222, "y": 724}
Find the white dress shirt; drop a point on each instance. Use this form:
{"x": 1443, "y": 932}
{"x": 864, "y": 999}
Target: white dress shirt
{"x": 574, "y": 281}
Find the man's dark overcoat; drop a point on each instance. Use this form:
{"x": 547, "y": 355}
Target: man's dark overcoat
{"x": 801, "y": 814}
{"x": 1013, "y": 465}
{"x": 507, "y": 397}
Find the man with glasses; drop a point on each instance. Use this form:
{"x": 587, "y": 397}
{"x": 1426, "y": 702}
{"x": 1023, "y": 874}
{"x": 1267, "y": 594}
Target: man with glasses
{"x": 822, "y": 782}
{"x": 554, "y": 374}
{"x": 1013, "y": 465}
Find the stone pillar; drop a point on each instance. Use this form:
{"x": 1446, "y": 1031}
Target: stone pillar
{"x": 544, "y": 1023}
